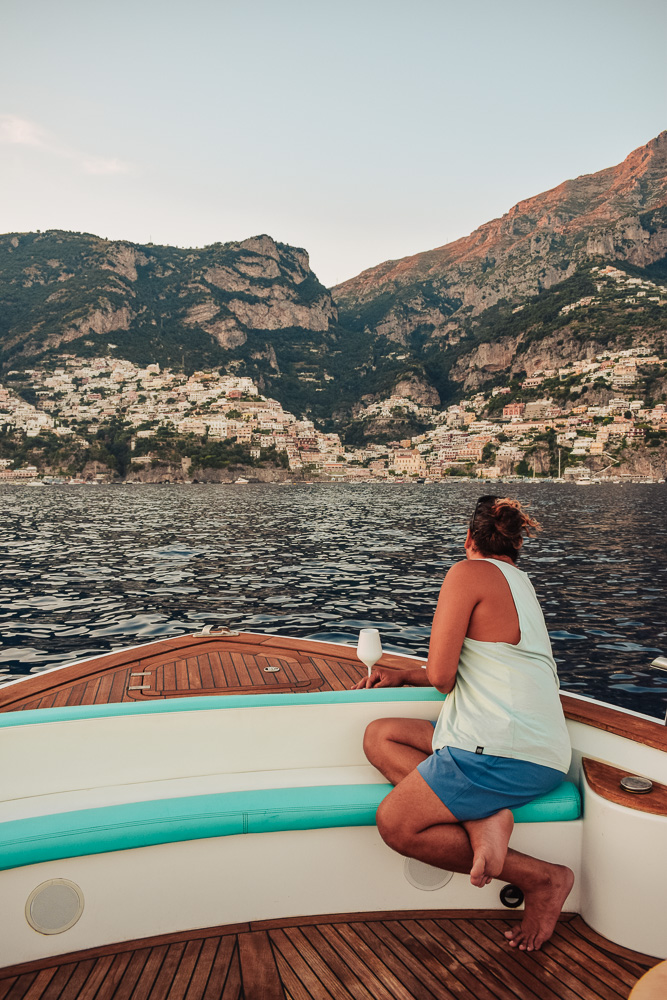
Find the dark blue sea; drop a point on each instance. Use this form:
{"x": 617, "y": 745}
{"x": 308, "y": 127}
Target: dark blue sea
{"x": 84, "y": 570}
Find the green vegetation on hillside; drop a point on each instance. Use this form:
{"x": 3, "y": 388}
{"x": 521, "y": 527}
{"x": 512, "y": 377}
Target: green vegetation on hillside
{"x": 51, "y": 282}
{"x": 366, "y": 314}
{"x": 609, "y": 321}
{"x": 168, "y": 447}
{"x": 395, "y": 428}
{"x": 111, "y": 447}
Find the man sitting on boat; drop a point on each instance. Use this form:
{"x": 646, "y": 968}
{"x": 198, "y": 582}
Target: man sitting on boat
{"x": 501, "y": 739}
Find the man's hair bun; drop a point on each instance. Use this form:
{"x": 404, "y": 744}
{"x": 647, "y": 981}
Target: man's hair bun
{"x": 498, "y": 526}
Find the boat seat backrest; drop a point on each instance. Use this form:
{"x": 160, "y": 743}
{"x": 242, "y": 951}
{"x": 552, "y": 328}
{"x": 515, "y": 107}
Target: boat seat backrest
{"x": 64, "y": 750}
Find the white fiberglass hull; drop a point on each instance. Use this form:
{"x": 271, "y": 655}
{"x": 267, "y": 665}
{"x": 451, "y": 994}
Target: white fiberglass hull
{"x": 67, "y": 760}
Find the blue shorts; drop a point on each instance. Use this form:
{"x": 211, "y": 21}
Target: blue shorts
{"x": 474, "y": 786}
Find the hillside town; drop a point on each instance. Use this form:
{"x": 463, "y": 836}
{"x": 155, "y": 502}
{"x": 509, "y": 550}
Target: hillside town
{"x": 480, "y": 436}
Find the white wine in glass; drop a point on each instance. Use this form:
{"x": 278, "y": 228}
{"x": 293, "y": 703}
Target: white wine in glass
{"x": 369, "y": 647}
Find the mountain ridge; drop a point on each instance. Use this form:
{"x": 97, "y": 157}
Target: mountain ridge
{"x": 223, "y": 289}
{"x": 437, "y": 324}
{"x": 609, "y": 213}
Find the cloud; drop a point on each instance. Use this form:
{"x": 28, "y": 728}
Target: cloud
{"x": 98, "y": 165}
{"x": 17, "y": 131}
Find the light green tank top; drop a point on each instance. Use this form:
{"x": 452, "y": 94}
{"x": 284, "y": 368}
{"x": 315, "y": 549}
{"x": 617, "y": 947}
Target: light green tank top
{"x": 505, "y": 700}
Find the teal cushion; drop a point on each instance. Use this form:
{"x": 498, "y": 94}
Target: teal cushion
{"x": 562, "y": 803}
{"x": 209, "y": 703}
{"x": 162, "y": 821}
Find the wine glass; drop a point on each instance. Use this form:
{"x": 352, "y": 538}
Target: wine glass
{"x": 369, "y": 647}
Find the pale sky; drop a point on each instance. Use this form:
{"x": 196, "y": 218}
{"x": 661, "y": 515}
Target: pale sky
{"x": 362, "y": 130}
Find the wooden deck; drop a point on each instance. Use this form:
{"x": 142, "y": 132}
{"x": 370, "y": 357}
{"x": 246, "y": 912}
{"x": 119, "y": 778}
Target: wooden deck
{"x": 193, "y": 666}
{"x": 425, "y": 955}
{"x": 247, "y": 663}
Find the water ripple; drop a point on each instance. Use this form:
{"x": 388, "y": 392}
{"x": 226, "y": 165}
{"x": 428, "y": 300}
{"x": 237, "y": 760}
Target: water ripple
{"x": 86, "y": 571}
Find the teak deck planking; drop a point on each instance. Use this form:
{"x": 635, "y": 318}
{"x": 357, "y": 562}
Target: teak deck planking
{"x": 414, "y": 955}
{"x": 218, "y": 665}
{"x": 191, "y": 667}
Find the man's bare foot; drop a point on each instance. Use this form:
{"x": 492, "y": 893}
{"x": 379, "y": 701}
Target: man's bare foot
{"x": 543, "y": 904}
{"x": 489, "y": 839}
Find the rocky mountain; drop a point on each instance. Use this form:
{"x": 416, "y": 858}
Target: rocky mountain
{"x": 617, "y": 214}
{"x": 253, "y": 306}
{"x": 61, "y": 288}
{"x": 493, "y": 302}
{"x": 433, "y": 326}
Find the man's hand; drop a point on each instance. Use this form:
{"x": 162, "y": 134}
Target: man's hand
{"x": 383, "y": 677}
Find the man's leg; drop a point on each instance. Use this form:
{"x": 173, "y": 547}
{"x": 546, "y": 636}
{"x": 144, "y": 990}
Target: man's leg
{"x": 413, "y": 821}
{"x": 396, "y": 746}
{"x": 489, "y": 839}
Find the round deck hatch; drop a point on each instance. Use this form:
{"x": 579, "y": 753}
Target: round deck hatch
{"x": 424, "y": 876}
{"x": 54, "y": 906}
{"x": 633, "y": 783}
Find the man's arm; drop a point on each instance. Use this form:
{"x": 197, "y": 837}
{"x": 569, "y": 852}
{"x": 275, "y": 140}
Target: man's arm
{"x": 458, "y": 597}
{"x": 381, "y": 677}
